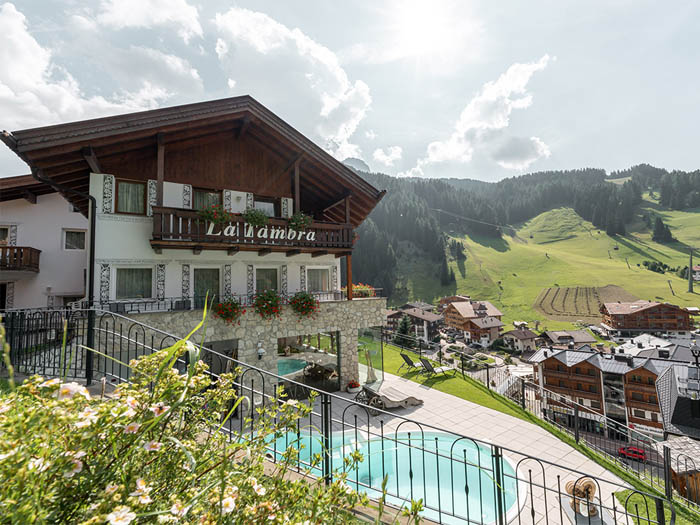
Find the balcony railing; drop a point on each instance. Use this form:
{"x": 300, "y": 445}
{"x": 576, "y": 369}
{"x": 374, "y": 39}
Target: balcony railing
{"x": 174, "y": 227}
{"x": 19, "y": 258}
{"x": 175, "y": 304}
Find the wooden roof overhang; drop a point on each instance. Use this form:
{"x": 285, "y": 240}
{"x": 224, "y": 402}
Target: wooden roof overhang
{"x": 68, "y": 153}
{"x": 22, "y": 187}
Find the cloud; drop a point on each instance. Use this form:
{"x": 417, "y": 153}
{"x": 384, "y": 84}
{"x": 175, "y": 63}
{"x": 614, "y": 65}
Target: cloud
{"x": 35, "y": 91}
{"x": 517, "y": 153}
{"x": 388, "y": 157}
{"x": 484, "y": 117}
{"x": 231, "y": 83}
{"x": 150, "y": 13}
{"x": 370, "y": 134}
{"x": 287, "y": 63}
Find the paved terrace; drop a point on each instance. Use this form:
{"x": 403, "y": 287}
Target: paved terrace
{"x": 450, "y": 413}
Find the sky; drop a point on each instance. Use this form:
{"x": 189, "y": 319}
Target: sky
{"x": 441, "y": 88}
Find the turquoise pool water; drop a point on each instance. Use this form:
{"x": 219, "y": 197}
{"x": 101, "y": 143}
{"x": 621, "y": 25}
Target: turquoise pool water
{"x": 289, "y": 366}
{"x": 453, "y": 478}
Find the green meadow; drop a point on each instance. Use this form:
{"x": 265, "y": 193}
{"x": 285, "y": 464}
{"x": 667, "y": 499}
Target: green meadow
{"x": 558, "y": 248}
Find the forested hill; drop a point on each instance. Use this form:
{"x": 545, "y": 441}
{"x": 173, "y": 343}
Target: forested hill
{"x": 413, "y": 219}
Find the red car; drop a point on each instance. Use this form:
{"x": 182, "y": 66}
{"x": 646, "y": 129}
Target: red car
{"x": 632, "y": 453}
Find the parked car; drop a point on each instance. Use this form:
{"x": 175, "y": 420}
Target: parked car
{"x": 477, "y": 346}
{"x": 632, "y": 453}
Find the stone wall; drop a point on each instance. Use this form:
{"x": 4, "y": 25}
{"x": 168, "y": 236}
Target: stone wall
{"x": 346, "y": 317}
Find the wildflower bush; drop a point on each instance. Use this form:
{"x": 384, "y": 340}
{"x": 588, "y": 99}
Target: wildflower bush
{"x": 299, "y": 221}
{"x": 267, "y": 304}
{"x": 216, "y": 214}
{"x": 230, "y": 310}
{"x": 255, "y": 217}
{"x": 304, "y": 304}
{"x": 154, "y": 452}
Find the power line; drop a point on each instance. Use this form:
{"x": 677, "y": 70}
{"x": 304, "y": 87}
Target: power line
{"x": 473, "y": 220}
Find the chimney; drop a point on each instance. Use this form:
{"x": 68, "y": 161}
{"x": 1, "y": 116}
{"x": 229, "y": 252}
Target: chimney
{"x": 571, "y": 346}
{"x": 546, "y": 354}
{"x": 640, "y": 345}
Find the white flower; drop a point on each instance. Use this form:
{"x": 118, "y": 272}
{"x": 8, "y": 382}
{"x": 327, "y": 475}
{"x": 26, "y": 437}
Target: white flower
{"x": 259, "y": 490}
{"x": 131, "y": 402}
{"x": 228, "y": 505}
{"x": 142, "y": 490}
{"x": 75, "y": 469}
{"x": 132, "y": 428}
{"x": 76, "y": 455}
{"x": 68, "y": 390}
{"x": 152, "y": 446}
{"x": 4, "y": 407}
{"x": 111, "y": 488}
{"x": 178, "y": 509}
{"x": 165, "y": 518}
{"x": 123, "y": 411}
{"x": 50, "y": 382}
{"x": 121, "y": 515}
{"x": 7, "y": 455}
{"x": 159, "y": 408}
{"x": 190, "y": 347}
{"x": 38, "y": 464}
{"x": 292, "y": 402}
{"x": 87, "y": 417}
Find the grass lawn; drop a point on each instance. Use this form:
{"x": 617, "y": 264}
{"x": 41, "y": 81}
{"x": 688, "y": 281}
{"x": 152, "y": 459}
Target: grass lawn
{"x": 471, "y": 390}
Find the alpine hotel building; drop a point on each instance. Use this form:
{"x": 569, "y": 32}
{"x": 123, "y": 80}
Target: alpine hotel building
{"x": 149, "y": 173}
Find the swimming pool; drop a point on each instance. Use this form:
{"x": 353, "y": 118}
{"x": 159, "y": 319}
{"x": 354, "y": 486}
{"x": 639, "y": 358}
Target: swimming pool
{"x": 453, "y": 477}
{"x": 289, "y": 366}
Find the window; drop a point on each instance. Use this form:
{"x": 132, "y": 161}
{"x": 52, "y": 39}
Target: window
{"x": 131, "y": 197}
{"x": 654, "y": 416}
{"x": 134, "y": 283}
{"x": 265, "y": 279}
{"x": 595, "y": 404}
{"x": 318, "y": 279}
{"x": 266, "y": 206}
{"x": 593, "y": 389}
{"x": 637, "y": 396}
{"x": 74, "y": 240}
{"x": 640, "y": 414}
{"x": 4, "y": 234}
{"x": 205, "y": 198}
{"x": 652, "y": 399}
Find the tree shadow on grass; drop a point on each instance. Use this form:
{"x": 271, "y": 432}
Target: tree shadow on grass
{"x": 462, "y": 267}
{"x": 497, "y": 243}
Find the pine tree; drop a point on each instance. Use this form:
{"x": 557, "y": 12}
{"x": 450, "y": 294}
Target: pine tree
{"x": 403, "y": 332}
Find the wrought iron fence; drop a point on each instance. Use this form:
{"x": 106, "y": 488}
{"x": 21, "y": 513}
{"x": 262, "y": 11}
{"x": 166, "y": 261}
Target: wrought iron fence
{"x": 459, "y": 479}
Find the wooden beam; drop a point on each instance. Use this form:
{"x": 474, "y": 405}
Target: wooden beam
{"x": 319, "y": 253}
{"x": 160, "y": 169}
{"x": 297, "y": 199}
{"x": 347, "y": 209}
{"x": 292, "y": 253}
{"x": 91, "y": 158}
{"x": 241, "y": 131}
{"x": 197, "y": 250}
{"x": 232, "y": 251}
{"x": 348, "y": 267}
{"x": 342, "y": 254}
{"x": 29, "y": 196}
{"x": 336, "y": 203}
{"x": 264, "y": 252}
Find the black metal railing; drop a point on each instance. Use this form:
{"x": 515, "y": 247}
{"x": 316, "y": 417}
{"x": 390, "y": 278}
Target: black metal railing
{"x": 459, "y": 479}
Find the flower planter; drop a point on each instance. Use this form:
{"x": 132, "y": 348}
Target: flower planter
{"x": 354, "y": 389}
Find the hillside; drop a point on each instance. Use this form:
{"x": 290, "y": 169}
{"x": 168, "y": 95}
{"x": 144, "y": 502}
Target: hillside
{"x": 559, "y": 249}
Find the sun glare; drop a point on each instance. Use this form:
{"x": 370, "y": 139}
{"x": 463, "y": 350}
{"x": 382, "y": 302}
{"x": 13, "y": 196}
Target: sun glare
{"x": 425, "y": 29}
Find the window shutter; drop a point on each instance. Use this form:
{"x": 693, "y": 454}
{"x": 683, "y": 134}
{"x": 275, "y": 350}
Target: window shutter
{"x": 107, "y": 193}
{"x": 151, "y": 198}
{"x": 187, "y": 196}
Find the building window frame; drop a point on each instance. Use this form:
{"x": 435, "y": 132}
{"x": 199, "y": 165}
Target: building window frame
{"x": 117, "y": 192}
{"x": 220, "y": 194}
{"x": 276, "y": 203}
{"x": 64, "y": 239}
{"x": 115, "y": 271}
{"x": 330, "y": 278}
{"x": 257, "y": 267}
{"x": 6, "y": 240}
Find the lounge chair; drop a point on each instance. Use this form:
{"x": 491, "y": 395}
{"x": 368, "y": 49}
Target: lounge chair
{"x": 410, "y": 364}
{"x": 431, "y": 370}
{"x": 386, "y": 398}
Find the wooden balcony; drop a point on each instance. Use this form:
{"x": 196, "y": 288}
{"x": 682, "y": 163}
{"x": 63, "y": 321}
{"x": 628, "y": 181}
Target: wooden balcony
{"x": 19, "y": 259}
{"x": 185, "y": 229}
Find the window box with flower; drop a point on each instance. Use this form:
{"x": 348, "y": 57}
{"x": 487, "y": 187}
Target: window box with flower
{"x": 354, "y": 387}
{"x": 304, "y": 304}
{"x": 267, "y": 304}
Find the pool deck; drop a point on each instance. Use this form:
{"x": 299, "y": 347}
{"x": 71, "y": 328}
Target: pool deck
{"x": 453, "y": 414}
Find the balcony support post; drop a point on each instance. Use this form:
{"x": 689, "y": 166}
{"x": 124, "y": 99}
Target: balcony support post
{"x": 348, "y": 262}
{"x": 160, "y": 169}
{"x": 297, "y": 200}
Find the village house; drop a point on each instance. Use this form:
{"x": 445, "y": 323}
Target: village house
{"x": 148, "y": 184}
{"x": 521, "y": 340}
{"x": 620, "y": 387}
{"x": 442, "y": 304}
{"x": 678, "y": 390}
{"x": 562, "y": 339}
{"x": 420, "y": 305}
{"x": 696, "y": 272}
{"x": 625, "y": 320}
{"x": 480, "y": 321}
{"x": 43, "y": 246}
{"x": 425, "y": 325}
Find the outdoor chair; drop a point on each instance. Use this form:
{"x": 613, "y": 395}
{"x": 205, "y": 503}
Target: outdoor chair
{"x": 387, "y": 398}
{"x": 410, "y": 364}
{"x": 431, "y": 370}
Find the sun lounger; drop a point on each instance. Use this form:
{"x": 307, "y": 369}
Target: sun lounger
{"x": 431, "y": 370}
{"x": 386, "y": 398}
{"x": 410, "y": 364}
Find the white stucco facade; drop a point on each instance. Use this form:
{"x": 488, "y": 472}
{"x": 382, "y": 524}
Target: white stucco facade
{"x": 123, "y": 241}
{"x": 43, "y": 226}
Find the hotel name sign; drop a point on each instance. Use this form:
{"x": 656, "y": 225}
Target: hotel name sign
{"x": 244, "y": 231}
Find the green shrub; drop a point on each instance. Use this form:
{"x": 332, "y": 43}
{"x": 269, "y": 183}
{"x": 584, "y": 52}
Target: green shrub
{"x": 299, "y": 221}
{"x": 255, "y": 217}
